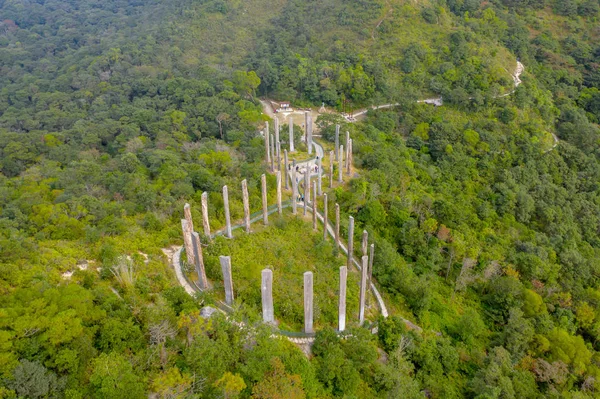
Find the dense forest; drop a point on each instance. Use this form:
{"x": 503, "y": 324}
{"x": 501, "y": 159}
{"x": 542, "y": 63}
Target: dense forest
{"x": 485, "y": 212}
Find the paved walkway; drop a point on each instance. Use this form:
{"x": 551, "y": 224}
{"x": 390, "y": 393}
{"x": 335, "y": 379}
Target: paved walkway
{"x": 438, "y": 101}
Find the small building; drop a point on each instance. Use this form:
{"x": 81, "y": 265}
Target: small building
{"x": 284, "y": 106}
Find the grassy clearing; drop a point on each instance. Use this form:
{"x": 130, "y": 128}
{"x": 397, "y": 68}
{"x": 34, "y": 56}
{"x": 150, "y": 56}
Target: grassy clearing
{"x": 289, "y": 247}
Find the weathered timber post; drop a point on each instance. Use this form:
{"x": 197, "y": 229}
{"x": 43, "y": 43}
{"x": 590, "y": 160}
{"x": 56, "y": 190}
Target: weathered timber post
{"x": 263, "y": 183}
{"x": 246, "y": 201}
{"x": 199, "y": 261}
{"x": 294, "y": 191}
{"x": 337, "y": 142}
{"x": 365, "y": 242}
{"x": 227, "y": 216}
{"x": 350, "y": 241}
{"x": 291, "y": 129}
{"x": 337, "y": 226}
{"x": 306, "y": 188}
{"x": 187, "y": 242}
{"x": 363, "y": 289}
{"x": 279, "y": 206}
{"x": 341, "y": 165}
{"x": 320, "y": 174}
{"x": 267, "y": 146}
{"x": 309, "y": 135}
{"x": 308, "y": 302}
{"x": 347, "y": 143}
{"x": 314, "y": 202}
{"x": 187, "y": 214}
{"x": 372, "y": 254}
{"x": 306, "y": 127}
{"x": 272, "y": 142}
{"x": 205, "y": 224}
{"x": 267, "y": 295}
{"x": 227, "y": 279}
{"x": 286, "y": 168}
{"x": 330, "y": 169}
{"x": 278, "y": 147}
{"x": 349, "y": 158}
{"x": 325, "y": 219}
{"x": 342, "y": 300}
{"x": 276, "y": 120}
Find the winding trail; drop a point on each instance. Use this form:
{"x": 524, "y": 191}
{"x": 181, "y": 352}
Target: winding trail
{"x": 380, "y": 21}
{"x": 330, "y": 228}
{"x": 438, "y": 101}
{"x": 174, "y": 253}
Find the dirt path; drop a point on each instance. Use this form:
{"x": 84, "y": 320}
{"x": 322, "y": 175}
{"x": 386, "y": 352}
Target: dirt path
{"x": 173, "y": 255}
{"x": 389, "y": 11}
{"x": 438, "y": 101}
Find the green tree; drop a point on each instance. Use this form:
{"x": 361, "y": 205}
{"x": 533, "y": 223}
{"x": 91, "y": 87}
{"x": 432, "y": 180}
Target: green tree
{"x": 32, "y": 380}
{"x": 278, "y": 384}
{"x": 113, "y": 376}
{"x": 231, "y": 384}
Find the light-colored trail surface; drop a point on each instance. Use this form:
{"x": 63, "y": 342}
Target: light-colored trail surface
{"x": 438, "y": 101}
{"x": 174, "y": 256}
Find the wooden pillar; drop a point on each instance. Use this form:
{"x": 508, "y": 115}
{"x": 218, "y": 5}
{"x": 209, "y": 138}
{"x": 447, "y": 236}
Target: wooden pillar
{"x": 330, "y": 169}
{"x": 205, "y": 224}
{"x": 227, "y": 216}
{"x": 342, "y": 299}
{"x": 306, "y": 188}
{"x": 314, "y": 202}
{"x": 279, "y": 206}
{"x": 363, "y": 289}
{"x": 337, "y": 142}
{"x": 286, "y": 168}
{"x": 276, "y": 121}
{"x": 341, "y": 165}
{"x": 325, "y": 219}
{"x": 291, "y": 129}
{"x": 246, "y": 200}
{"x": 272, "y": 142}
{"x": 347, "y": 142}
{"x": 309, "y": 141}
{"x": 337, "y": 226}
{"x": 227, "y": 279}
{"x": 372, "y": 254}
{"x": 308, "y": 302}
{"x": 349, "y": 158}
{"x": 267, "y": 295}
{"x": 306, "y": 128}
{"x": 365, "y": 242}
{"x": 278, "y": 148}
{"x": 187, "y": 214}
{"x": 187, "y": 242}
{"x": 263, "y": 183}
{"x": 350, "y": 241}
{"x": 199, "y": 261}
{"x": 294, "y": 191}
{"x": 320, "y": 175}
{"x": 267, "y": 146}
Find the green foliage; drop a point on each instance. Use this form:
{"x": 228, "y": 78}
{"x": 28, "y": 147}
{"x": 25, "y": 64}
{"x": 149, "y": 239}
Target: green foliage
{"x": 569, "y": 349}
{"x": 32, "y": 380}
{"x": 485, "y": 227}
{"x": 390, "y": 332}
{"x": 114, "y": 377}
{"x": 288, "y": 258}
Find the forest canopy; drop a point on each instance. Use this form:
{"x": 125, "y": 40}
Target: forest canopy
{"x": 485, "y": 212}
